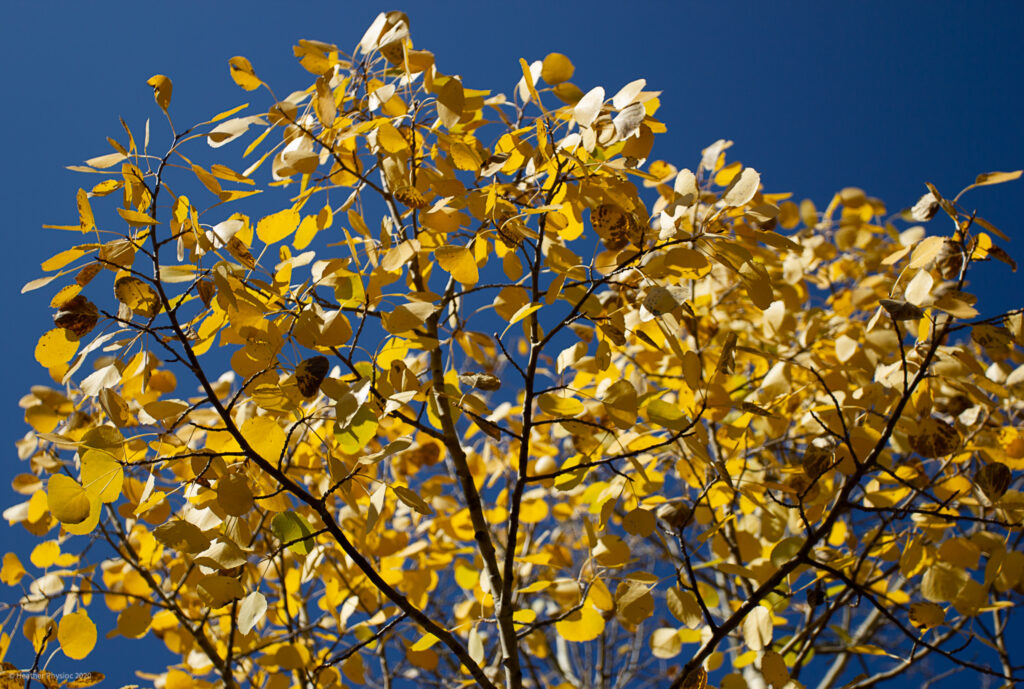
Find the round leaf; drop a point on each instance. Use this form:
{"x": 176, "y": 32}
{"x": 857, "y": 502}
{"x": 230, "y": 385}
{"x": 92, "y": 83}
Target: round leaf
{"x": 76, "y": 634}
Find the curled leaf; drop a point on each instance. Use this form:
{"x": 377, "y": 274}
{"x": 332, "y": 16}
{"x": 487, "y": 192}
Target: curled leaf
{"x": 161, "y": 90}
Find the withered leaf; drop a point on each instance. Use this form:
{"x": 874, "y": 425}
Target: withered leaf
{"x": 935, "y": 438}
{"x": 410, "y": 196}
{"x": 480, "y": 381}
{"x": 310, "y": 373}
{"x": 901, "y": 310}
{"x": 994, "y": 480}
{"x": 78, "y": 314}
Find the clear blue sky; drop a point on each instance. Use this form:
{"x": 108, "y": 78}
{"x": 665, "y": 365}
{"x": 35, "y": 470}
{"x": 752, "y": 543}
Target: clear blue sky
{"x": 816, "y": 95}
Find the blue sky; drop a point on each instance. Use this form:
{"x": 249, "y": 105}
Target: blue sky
{"x": 816, "y": 95}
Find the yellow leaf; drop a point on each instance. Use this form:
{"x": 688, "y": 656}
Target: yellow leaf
{"x": 996, "y": 177}
{"x": 243, "y": 74}
{"x": 76, "y": 634}
{"x": 305, "y": 233}
{"x": 265, "y": 436}
{"x": 926, "y": 615}
{"x": 136, "y": 218}
{"x": 12, "y": 570}
{"x": 354, "y": 669}
{"x": 161, "y": 90}
{"x": 85, "y": 218}
{"x": 528, "y": 80}
{"x": 137, "y": 296}
{"x": 45, "y": 554}
{"x": 407, "y": 317}
{"x": 102, "y": 475}
{"x": 557, "y": 405}
{"x": 459, "y": 261}
{"x": 556, "y": 69}
{"x": 585, "y": 624}
{"x": 68, "y": 500}
{"x": 274, "y": 228}
{"x": 217, "y": 590}
{"x": 56, "y": 347}
{"x": 521, "y": 313}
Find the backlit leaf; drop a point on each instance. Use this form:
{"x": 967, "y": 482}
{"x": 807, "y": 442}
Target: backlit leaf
{"x": 138, "y": 296}
{"x": 251, "y": 611}
{"x": 582, "y": 625}
{"x": 76, "y": 634}
{"x": 291, "y": 528}
{"x": 458, "y": 261}
{"x": 68, "y": 500}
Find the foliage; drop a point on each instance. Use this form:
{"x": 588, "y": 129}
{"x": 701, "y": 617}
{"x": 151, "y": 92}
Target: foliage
{"x": 508, "y": 405}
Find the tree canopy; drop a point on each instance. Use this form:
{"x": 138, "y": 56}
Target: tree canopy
{"x": 391, "y": 380}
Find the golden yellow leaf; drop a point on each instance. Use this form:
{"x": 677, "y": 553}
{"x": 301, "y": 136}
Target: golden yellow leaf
{"x": 234, "y": 495}
{"x": 265, "y": 436}
{"x": 56, "y": 347}
{"x": 217, "y": 590}
{"x": 134, "y": 621}
{"x": 138, "y": 296}
{"x": 12, "y": 570}
{"x": 558, "y": 405}
{"x": 137, "y": 218}
{"x": 581, "y": 625}
{"x": 997, "y": 177}
{"x": 243, "y": 74}
{"x": 102, "y": 475}
{"x": 926, "y": 615}
{"x": 162, "y": 88}
{"x": 45, "y": 554}
{"x": 67, "y": 499}
{"x": 459, "y": 261}
{"x": 275, "y": 227}
{"x": 76, "y": 634}
{"x": 556, "y": 69}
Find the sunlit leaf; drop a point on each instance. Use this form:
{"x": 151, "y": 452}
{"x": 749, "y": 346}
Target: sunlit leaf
{"x": 76, "y": 634}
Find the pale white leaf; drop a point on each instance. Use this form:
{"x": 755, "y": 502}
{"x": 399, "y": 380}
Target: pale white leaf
{"x": 742, "y": 189}
{"x": 628, "y": 93}
{"x": 589, "y": 106}
{"x": 106, "y": 377}
{"x": 686, "y": 187}
{"x": 709, "y": 156}
{"x": 251, "y": 611}
{"x": 919, "y": 288}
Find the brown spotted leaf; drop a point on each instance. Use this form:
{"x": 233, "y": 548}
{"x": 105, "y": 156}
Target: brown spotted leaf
{"x": 310, "y": 373}
{"x": 78, "y": 314}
